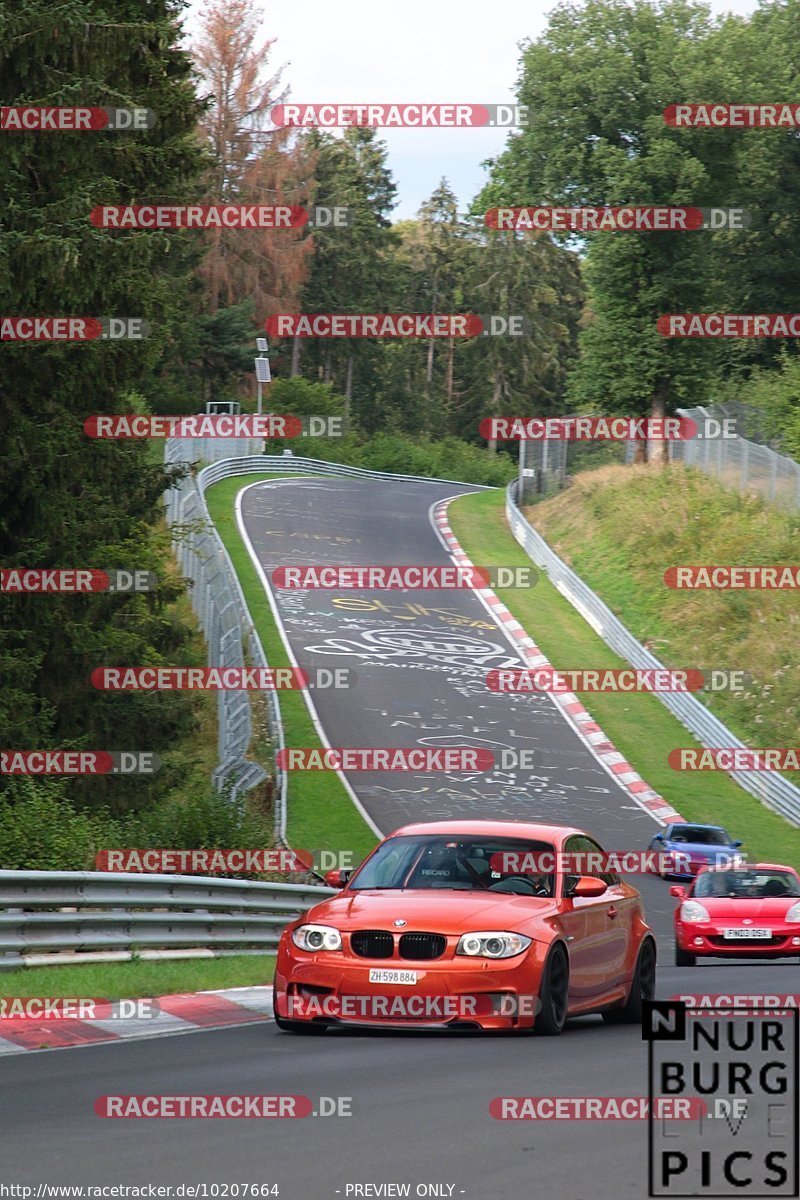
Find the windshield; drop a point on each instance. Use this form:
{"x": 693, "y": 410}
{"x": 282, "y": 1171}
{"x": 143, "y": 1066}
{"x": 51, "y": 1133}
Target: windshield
{"x": 699, "y": 836}
{"x": 746, "y": 885}
{"x": 456, "y": 863}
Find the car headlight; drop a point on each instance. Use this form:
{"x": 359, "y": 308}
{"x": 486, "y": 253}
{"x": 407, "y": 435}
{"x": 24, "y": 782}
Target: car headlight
{"x": 693, "y": 910}
{"x": 491, "y": 944}
{"x": 793, "y": 913}
{"x": 317, "y": 937}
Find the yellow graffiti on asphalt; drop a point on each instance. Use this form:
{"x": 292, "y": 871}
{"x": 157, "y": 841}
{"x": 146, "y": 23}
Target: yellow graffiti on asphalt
{"x": 411, "y": 611}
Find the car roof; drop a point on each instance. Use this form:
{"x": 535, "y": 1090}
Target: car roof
{"x": 696, "y": 825}
{"x": 748, "y": 866}
{"x": 525, "y": 829}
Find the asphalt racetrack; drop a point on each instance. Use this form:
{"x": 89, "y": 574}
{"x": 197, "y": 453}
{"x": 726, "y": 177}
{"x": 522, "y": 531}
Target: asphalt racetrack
{"x": 420, "y": 1101}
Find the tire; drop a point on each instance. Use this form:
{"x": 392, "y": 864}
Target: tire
{"x": 683, "y": 958}
{"x": 643, "y": 986}
{"x": 295, "y": 1026}
{"x": 553, "y": 994}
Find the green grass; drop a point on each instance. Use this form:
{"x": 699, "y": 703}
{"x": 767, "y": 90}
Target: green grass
{"x": 620, "y": 528}
{"x": 639, "y": 725}
{"x": 321, "y": 814}
{"x": 139, "y": 978}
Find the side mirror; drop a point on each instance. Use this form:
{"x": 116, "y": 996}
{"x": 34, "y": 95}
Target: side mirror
{"x": 677, "y": 891}
{"x": 658, "y": 837}
{"x": 337, "y": 879}
{"x": 736, "y": 844}
{"x": 589, "y": 885}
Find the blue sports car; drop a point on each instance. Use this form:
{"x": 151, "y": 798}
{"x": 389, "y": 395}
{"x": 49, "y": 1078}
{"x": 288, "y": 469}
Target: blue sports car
{"x": 696, "y": 847}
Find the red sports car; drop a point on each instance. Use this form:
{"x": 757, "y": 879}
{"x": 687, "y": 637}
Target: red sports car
{"x": 460, "y": 925}
{"x": 751, "y": 911}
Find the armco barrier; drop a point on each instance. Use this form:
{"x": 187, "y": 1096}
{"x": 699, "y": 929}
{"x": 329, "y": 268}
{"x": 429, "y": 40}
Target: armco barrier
{"x": 51, "y": 911}
{"x": 218, "y": 600}
{"x": 772, "y": 789}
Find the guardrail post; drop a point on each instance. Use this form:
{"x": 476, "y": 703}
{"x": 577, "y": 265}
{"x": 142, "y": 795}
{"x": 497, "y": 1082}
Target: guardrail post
{"x": 12, "y": 960}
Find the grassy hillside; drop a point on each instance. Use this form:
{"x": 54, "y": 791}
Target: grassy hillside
{"x": 620, "y": 528}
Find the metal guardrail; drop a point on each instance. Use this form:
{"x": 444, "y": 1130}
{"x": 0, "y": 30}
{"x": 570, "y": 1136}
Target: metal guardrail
{"x": 292, "y": 464}
{"x": 219, "y": 602}
{"x": 55, "y": 911}
{"x": 219, "y": 606}
{"x": 771, "y": 789}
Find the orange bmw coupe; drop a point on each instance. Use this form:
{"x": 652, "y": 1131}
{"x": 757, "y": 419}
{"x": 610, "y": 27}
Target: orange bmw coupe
{"x": 459, "y": 925}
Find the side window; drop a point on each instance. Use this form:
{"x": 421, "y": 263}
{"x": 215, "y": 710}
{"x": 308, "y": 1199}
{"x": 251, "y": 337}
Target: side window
{"x": 573, "y": 845}
{"x": 611, "y": 878}
{"x": 584, "y": 846}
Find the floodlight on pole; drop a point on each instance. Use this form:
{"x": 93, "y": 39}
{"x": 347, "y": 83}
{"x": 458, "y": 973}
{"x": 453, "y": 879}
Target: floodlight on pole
{"x": 263, "y": 374}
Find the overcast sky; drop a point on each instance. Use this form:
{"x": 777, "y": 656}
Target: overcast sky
{"x": 419, "y": 51}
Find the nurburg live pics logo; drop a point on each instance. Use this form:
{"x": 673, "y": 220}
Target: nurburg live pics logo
{"x": 749, "y": 1143}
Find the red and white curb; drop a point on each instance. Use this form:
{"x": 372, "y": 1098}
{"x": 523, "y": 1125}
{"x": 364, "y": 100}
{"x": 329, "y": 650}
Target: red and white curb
{"x": 582, "y": 721}
{"x": 188, "y": 1012}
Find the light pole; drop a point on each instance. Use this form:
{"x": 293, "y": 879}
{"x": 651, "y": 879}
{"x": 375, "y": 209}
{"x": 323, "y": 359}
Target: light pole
{"x": 263, "y": 374}
{"x": 525, "y": 472}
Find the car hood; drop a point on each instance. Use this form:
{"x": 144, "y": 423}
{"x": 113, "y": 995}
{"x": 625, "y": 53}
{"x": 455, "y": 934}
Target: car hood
{"x": 431, "y": 911}
{"x": 770, "y": 908}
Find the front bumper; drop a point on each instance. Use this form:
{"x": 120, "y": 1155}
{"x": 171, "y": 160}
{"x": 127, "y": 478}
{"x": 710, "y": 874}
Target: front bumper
{"x": 334, "y": 988}
{"x": 707, "y": 939}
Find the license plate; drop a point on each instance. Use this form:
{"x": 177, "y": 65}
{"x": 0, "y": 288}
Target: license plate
{"x": 385, "y": 975}
{"x": 756, "y": 934}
